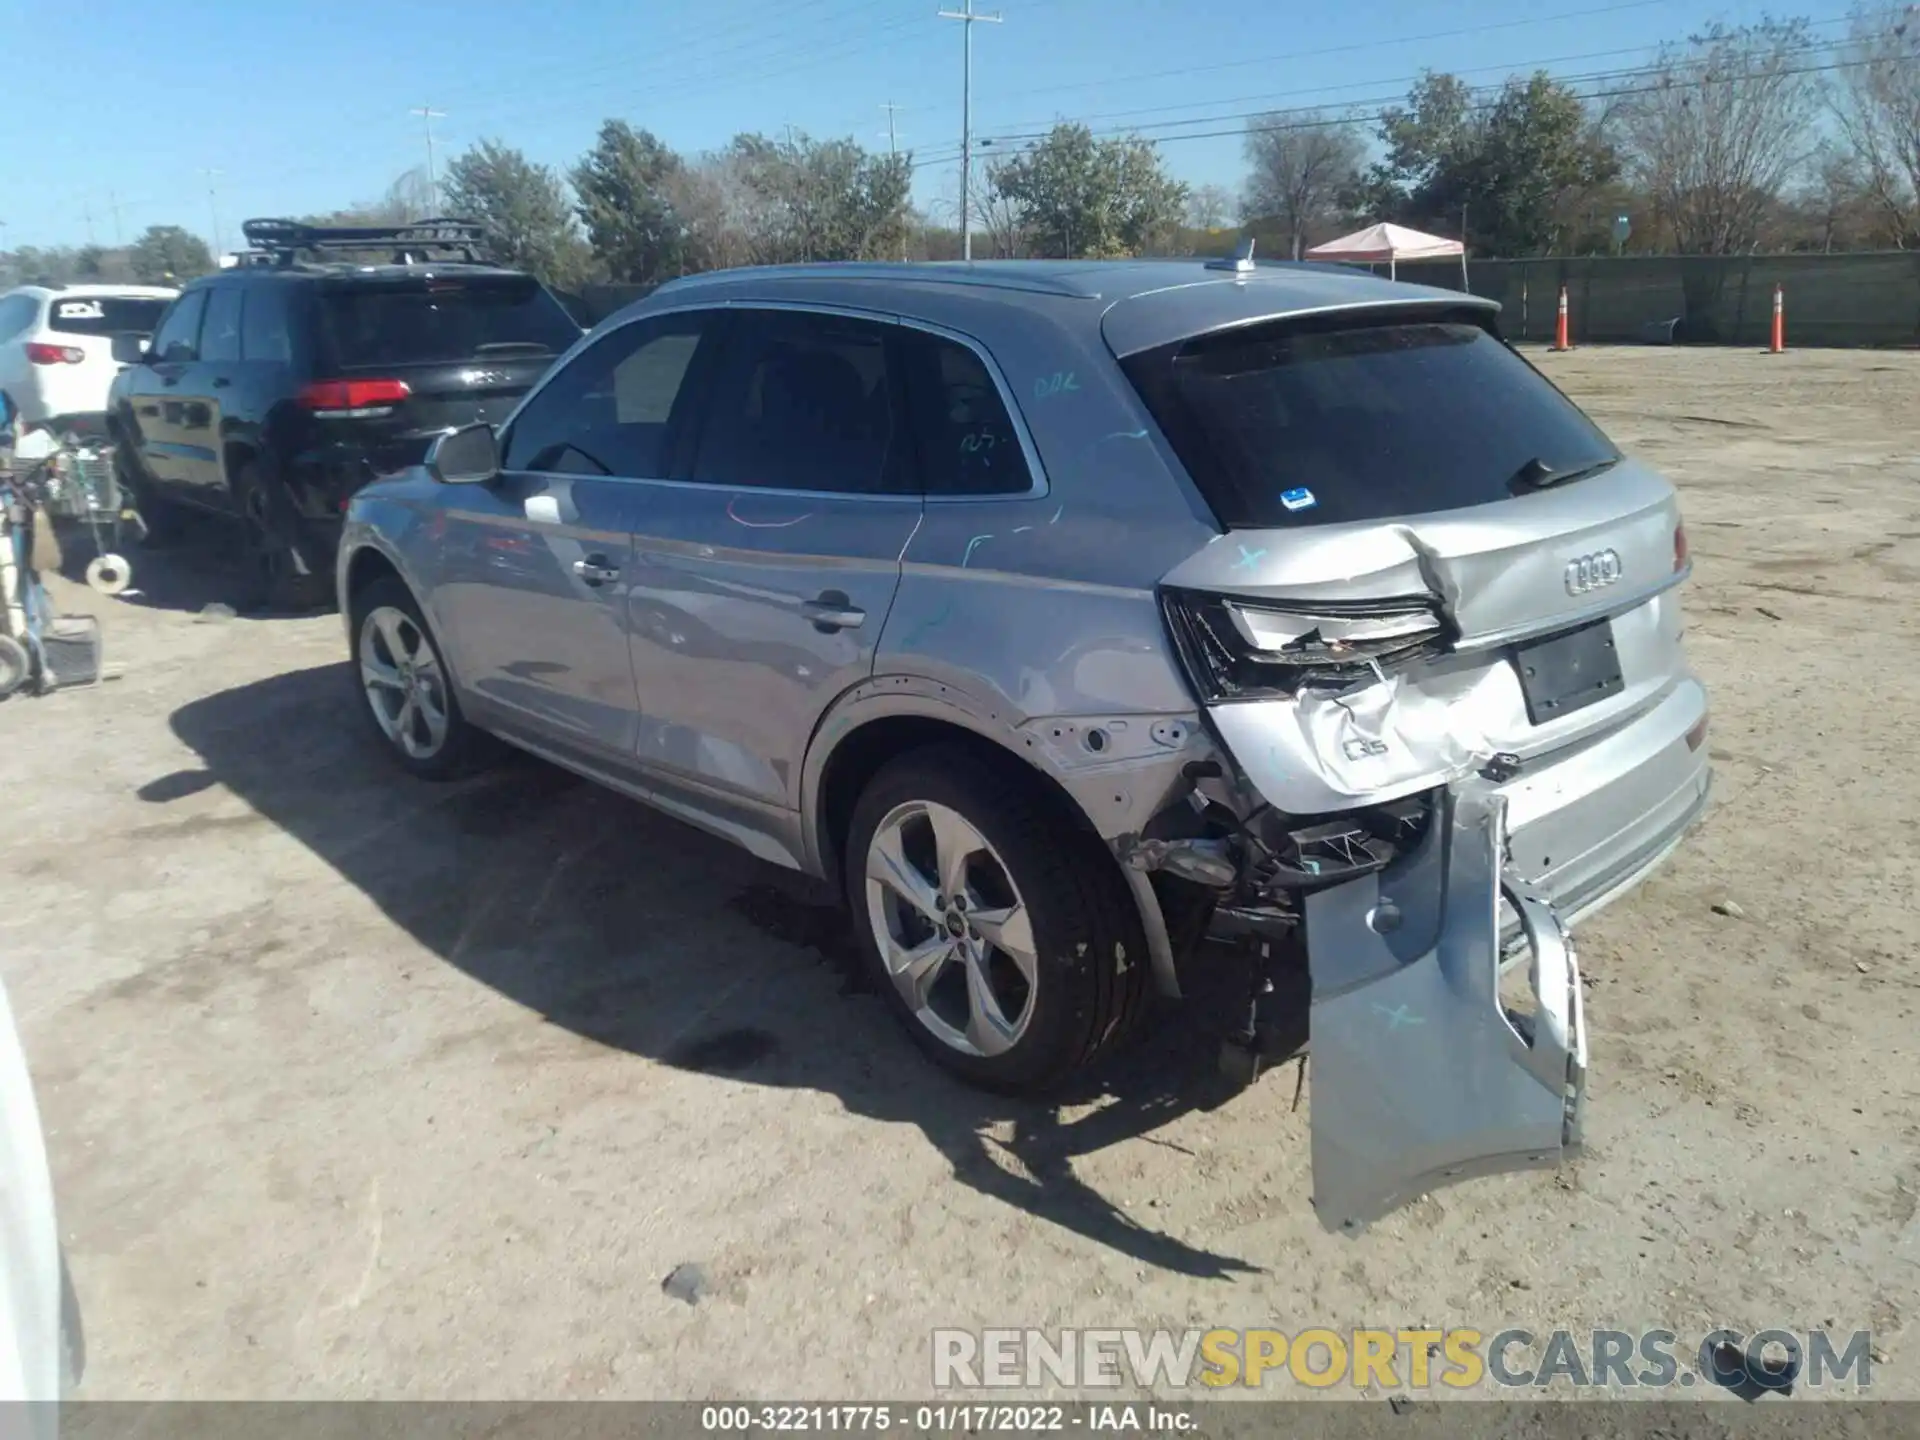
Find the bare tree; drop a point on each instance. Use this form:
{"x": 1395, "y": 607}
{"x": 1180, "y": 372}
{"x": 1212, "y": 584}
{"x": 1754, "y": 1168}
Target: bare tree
{"x": 1718, "y": 130}
{"x": 1209, "y": 207}
{"x": 997, "y": 216}
{"x": 1878, "y": 107}
{"x": 1301, "y": 164}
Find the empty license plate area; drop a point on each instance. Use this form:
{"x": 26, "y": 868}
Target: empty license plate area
{"x": 1568, "y": 672}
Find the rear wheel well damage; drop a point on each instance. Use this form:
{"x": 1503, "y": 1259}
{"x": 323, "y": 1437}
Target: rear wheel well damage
{"x": 863, "y": 751}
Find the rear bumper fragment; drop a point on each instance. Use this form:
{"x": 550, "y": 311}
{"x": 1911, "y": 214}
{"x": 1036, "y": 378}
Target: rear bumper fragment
{"x": 1421, "y": 1076}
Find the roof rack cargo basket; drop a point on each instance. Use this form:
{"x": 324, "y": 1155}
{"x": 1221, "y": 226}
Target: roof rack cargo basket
{"x": 440, "y": 239}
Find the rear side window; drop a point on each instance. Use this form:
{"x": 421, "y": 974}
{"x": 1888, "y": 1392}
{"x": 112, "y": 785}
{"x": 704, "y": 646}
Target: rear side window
{"x": 803, "y": 401}
{"x": 220, "y": 332}
{"x": 17, "y": 312}
{"x": 180, "y": 331}
{"x": 967, "y": 443}
{"x": 263, "y": 326}
{"x": 608, "y": 411}
{"x": 1324, "y": 421}
{"x": 106, "y": 315}
{"x": 420, "y": 322}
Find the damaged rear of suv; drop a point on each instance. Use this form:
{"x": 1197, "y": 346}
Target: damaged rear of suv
{"x": 1067, "y": 614}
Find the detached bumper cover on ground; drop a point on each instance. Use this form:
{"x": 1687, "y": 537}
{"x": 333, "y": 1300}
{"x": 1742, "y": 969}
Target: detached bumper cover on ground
{"x": 1420, "y": 1075}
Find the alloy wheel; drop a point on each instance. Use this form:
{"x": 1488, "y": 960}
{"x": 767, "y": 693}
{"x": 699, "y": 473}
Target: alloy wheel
{"x": 952, "y": 928}
{"x": 404, "y": 682}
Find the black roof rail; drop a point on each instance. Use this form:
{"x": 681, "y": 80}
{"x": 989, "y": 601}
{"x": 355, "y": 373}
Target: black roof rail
{"x": 443, "y": 239}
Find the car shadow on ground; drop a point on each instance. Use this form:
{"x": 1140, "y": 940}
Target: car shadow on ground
{"x": 643, "y": 934}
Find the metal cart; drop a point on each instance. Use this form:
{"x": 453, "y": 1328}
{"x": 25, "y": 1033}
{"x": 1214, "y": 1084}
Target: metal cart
{"x": 81, "y": 486}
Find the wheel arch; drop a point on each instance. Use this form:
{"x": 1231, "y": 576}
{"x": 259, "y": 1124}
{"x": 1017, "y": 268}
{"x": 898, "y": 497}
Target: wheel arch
{"x": 886, "y": 717}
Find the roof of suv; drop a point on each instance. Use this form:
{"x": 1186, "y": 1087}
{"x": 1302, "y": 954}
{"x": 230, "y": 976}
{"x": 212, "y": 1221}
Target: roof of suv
{"x": 80, "y": 292}
{"x": 1110, "y": 280}
{"x": 1138, "y": 303}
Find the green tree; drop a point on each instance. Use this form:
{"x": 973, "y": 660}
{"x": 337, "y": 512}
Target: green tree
{"x": 627, "y": 185}
{"x": 1505, "y": 171}
{"x": 168, "y": 255}
{"x": 1077, "y": 196}
{"x": 804, "y": 200}
{"x": 524, "y": 209}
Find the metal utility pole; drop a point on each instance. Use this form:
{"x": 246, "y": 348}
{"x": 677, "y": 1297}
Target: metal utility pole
{"x": 113, "y": 204}
{"x": 87, "y": 215}
{"x": 213, "y": 205}
{"x": 893, "y": 153}
{"x": 968, "y": 19}
{"x": 428, "y": 115}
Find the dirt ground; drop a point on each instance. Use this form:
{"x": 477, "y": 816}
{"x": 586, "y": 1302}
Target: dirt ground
{"x": 362, "y": 1088}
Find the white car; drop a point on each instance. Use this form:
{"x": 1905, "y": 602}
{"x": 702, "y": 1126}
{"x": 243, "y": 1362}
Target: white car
{"x": 39, "y": 1334}
{"x": 56, "y": 346}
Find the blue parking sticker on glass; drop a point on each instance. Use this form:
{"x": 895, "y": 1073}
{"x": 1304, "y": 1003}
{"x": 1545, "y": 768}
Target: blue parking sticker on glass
{"x": 1298, "y": 499}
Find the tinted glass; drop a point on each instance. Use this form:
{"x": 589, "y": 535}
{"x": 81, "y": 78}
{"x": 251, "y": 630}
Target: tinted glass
{"x": 422, "y": 321}
{"x": 801, "y": 402}
{"x": 17, "y": 312}
{"x": 608, "y": 411}
{"x": 105, "y": 315}
{"x": 1312, "y": 423}
{"x": 263, "y": 325}
{"x": 178, "y": 332}
{"x": 220, "y": 333}
{"x": 966, "y": 440}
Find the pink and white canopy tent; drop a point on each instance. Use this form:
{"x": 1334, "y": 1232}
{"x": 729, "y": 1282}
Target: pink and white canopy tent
{"x": 1391, "y": 243}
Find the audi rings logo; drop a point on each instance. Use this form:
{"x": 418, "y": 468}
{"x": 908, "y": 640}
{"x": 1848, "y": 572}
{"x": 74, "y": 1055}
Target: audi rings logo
{"x": 1593, "y": 572}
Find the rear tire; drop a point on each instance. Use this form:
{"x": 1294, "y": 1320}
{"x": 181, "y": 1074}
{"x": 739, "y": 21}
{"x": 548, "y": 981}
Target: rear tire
{"x": 405, "y": 691}
{"x": 955, "y": 865}
{"x": 161, "y": 522}
{"x": 273, "y": 578}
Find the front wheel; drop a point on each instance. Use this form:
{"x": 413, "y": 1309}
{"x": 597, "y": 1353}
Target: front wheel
{"x": 1000, "y": 932}
{"x": 406, "y": 691}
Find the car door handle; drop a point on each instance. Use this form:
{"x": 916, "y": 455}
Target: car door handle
{"x": 221, "y": 382}
{"x": 595, "y": 570}
{"x": 833, "y": 611}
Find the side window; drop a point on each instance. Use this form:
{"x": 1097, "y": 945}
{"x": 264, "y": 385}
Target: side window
{"x": 263, "y": 325}
{"x": 967, "y": 442}
{"x": 220, "y": 335}
{"x": 610, "y": 410}
{"x": 179, "y": 333}
{"x": 17, "y": 312}
{"x": 803, "y": 401}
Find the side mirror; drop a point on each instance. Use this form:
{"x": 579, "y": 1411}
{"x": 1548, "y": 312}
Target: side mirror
{"x": 131, "y": 349}
{"x": 467, "y": 456}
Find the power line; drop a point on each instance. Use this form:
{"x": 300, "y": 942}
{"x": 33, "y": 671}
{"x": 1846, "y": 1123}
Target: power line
{"x": 1358, "y": 116}
{"x": 968, "y": 18}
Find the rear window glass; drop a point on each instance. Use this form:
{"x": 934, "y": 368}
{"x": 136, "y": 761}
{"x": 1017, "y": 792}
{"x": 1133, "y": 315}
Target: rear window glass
{"x": 106, "y": 315}
{"x": 453, "y": 320}
{"x": 1324, "y": 421}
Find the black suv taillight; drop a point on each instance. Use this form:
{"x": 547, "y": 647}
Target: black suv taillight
{"x": 1238, "y": 649}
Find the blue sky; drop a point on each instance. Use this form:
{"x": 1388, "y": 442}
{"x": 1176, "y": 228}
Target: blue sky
{"x": 303, "y": 106}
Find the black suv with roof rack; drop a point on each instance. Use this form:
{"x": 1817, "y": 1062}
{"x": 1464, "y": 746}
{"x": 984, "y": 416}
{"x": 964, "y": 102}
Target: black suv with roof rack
{"x": 323, "y": 357}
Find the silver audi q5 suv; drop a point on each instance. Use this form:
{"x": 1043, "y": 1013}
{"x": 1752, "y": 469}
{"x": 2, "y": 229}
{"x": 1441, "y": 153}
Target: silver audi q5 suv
{"x": 1062, "y": 613}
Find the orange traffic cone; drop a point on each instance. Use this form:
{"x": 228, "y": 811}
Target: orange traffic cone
{"x": 1560, "y": 341}
{"x": 1778, "y": 344}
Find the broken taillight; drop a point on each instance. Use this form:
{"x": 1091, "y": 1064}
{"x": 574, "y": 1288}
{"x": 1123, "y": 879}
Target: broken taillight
{"x": 1244, "y": 650}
